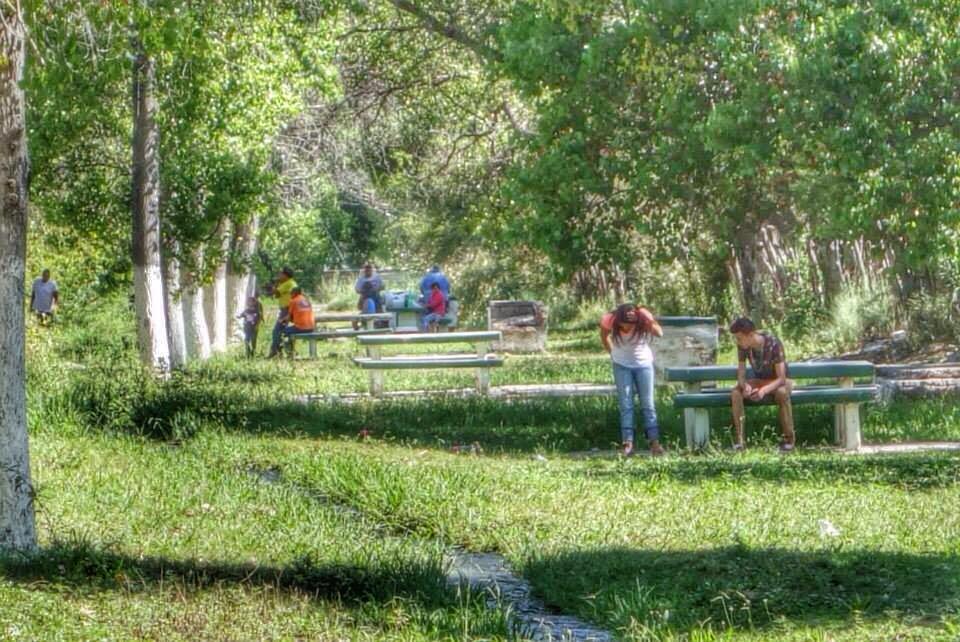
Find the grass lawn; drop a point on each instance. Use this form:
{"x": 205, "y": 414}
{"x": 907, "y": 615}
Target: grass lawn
{"x": 156, "y": 523}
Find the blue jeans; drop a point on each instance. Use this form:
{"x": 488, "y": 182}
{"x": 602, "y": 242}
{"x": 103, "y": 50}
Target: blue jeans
{"x": 636, "y": 381}
{"x": 427, "y": 319}
{"x": 278, "y": 331}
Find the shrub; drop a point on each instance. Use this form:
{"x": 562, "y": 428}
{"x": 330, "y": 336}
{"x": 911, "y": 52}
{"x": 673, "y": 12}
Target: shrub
{"x": 859, "y": 313}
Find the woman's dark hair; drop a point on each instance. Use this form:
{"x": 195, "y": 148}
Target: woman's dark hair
{"x": 742, "y": 325}
{"x": 620, "y": 323}
{"x": 288, "y": 271}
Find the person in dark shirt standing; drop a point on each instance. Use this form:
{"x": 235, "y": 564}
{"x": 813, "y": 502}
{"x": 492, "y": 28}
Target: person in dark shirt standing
{"x": 769, "y": 363}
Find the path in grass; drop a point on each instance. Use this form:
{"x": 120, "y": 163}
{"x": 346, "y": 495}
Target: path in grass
{"x": 488, "y": 573}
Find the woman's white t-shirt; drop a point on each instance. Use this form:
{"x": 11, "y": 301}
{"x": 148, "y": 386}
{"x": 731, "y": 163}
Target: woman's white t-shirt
{"x": 629, "y": 351}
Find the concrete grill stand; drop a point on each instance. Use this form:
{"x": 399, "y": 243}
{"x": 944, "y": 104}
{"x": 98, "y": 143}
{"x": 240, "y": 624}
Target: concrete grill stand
{"x": 523, "y": 325}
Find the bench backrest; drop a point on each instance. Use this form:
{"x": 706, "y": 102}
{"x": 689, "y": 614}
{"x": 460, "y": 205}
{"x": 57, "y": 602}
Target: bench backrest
{"x": 430, "y": 337}
{"x": 799, "y": 370}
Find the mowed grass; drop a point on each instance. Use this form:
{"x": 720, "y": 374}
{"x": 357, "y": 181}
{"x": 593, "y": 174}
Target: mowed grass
{"x": 157, "y": 522}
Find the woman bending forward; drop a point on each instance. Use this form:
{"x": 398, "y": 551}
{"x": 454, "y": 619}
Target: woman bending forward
{"x": 626, "y": 334}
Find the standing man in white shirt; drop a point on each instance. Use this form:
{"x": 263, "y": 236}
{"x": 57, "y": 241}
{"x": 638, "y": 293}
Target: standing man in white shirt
{"x": 44, "y": 298}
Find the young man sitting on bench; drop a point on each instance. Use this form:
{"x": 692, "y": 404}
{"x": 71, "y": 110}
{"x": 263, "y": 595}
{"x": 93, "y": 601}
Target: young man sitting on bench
{"x": 766, "y": 355}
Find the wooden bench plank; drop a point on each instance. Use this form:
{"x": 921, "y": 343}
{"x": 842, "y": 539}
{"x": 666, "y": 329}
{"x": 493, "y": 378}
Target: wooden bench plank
{"x": 429, "y": 337}
{"x": 798, "y": 370}
{"x": 408, "y": 363}
{"x": 721, "y": 398}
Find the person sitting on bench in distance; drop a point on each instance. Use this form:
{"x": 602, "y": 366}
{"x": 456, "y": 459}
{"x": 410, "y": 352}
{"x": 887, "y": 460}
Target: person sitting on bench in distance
{"x": 436, "y": 307}
{"x": 769, "y": 362}
{"x": 299, "y": 315}
{"x": 632, "y": 328}
{"x": 368, "y": 286}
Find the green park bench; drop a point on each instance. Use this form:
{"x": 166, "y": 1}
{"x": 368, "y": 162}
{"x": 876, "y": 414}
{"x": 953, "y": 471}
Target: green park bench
{"x": 845, "y": 395}
{"x": 376, "y": 363}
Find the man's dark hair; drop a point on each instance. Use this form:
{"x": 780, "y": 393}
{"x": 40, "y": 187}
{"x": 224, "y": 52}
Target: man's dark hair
{"x": 296, "y": 291}
{"x": 288, "y": 271}
{"x": 434, "y": 285}
{"x": 742, "y": 325}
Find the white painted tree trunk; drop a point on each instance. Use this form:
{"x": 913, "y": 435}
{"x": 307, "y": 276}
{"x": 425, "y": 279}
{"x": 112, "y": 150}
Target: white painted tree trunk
{"x": 147, "y": 267}
{"x": 174, "y": 301}
{"x": 17, "y": 522}
{"x": 194, "y": 315}
{"x": 221, "y": 306}
{"x": 195, "y": 322}
{"x": 240, "y": 281}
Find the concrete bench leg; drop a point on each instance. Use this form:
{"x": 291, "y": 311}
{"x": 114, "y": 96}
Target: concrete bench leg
{"x": 846, "y": 421}
{"x": 483, "y": 381}
{"x": 376, "y": 376}
{"x": 699, "y": 437}
{"x": 851, "y": 425}
{"x": 483, "y": 374}
{"x": 690, "y": 418}
{"x": 312, "y": 348}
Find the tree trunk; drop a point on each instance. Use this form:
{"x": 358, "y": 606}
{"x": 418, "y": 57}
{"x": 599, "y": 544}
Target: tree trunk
{"x": 831, "y": 269}
{"x": 174, "y": 304}
{"x": 745, "y": 253}
{"x": 17, "y": 522}
{"x": 147, "y": 266}
{"x": 239, "y": 276}
{"x": 194, "y": 318}
{"x": 220, "y": 306}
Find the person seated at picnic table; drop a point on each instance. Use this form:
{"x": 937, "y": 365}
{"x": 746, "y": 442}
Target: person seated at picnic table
{"x": 436, "y": 308}
{"x": 282, "y": 290}
{"x": 768, "y": 360}
{"x": 434, "y": 275}
{"x": 300, "y": 317}
{"x": 368, "y": 286}
{"x": 631, "y": 329}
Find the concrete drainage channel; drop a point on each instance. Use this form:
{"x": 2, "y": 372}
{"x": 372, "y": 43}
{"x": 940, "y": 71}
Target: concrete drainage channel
{"x": 489, "y": 572}
{"x": 486, "y": 572}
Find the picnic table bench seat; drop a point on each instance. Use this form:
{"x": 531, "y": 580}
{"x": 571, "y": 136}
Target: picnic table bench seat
{"x": 325, "y": 334}
{"x": 845, "y": 395}
{"x": 482, "y": 361}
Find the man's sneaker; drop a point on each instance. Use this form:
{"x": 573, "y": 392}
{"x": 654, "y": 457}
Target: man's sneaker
{"x": 786, "y": 447}
{"x": 626, "y": 450}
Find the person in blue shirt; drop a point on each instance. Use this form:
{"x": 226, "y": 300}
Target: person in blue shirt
{"x": 434, "y": 275}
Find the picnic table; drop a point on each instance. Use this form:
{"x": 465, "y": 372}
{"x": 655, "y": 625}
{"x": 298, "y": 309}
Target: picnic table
{"x": 326, "y": 334}
{"x": 481, "y": 361}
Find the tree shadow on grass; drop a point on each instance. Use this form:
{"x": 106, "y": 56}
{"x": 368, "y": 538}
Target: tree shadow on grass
{"x": 909, "y": 471}
{"x": 681, "y": 591}
{"x": 90, "y": 568}
{"x": 439, "y": 422}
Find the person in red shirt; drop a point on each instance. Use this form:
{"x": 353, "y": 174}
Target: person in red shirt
{"x": 436, "y": 309}
{"x": 300, "y": 318}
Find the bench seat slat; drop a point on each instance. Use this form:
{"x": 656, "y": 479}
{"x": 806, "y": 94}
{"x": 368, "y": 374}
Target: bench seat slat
{"x": 439, "y": 337}
{"x": 799, "y": 370}
{"x": 406, "y": 363}
{"x": 721, "y": 398}
{"x": 345, "y": 332}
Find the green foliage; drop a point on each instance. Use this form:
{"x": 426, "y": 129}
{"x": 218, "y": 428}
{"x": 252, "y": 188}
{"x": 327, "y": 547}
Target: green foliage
{"x": 859, "y": 314}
